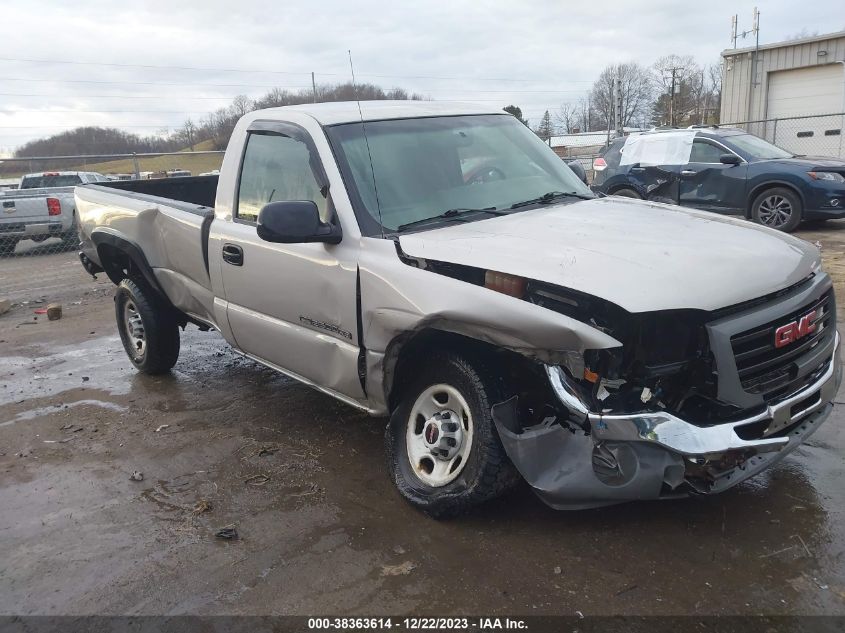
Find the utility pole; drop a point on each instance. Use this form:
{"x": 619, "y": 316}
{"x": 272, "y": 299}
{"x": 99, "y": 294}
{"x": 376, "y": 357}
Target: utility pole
{"x": 587, "y": 115}
{"x": 752, "y": 71}
{"x": 674, "y": 69}
{"x": 734, "y": 19}
{"x": 314, "y": 87}
{"x": 611, "y": 110}
{"x": 619, "y": 122}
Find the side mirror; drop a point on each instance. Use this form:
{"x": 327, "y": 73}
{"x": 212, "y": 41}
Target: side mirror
{"x": 295, "y": 222}
{"x": 578, "y": 169}
{"x": 729, "y": 159}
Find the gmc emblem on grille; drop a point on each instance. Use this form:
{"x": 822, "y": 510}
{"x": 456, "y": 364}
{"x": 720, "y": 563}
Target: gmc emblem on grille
{"x": 791, "y": 332}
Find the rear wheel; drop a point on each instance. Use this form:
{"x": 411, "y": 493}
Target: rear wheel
{"x": 778, "y": 208}
{"x": 444, "y": 454}
{"x": 627, "y": 193}
{"x": 149, "y": 333}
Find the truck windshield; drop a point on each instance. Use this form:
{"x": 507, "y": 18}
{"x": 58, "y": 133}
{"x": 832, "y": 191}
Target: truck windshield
{"x": 756, "y": 148}
{"x": 50, "y": 180}
{"x": 425, "y": 167}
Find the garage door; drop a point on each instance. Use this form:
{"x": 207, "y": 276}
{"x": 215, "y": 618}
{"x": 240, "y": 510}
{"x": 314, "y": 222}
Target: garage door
{"x": 804, "y": 92}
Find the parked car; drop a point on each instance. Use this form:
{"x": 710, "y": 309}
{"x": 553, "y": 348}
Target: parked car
{"x": 513, "y": 324}
{"x": 727, "y": 170}
{"x": 42, "y": 207}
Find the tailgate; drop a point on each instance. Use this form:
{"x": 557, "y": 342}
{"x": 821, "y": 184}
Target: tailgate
{"x": 16, "y": 208}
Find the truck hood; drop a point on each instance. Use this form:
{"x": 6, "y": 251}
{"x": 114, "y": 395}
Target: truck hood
{"x": 639, "y": 255}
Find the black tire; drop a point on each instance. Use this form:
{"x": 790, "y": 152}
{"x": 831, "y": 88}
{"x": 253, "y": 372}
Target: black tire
{"x": 8, "y": 245}
{"x": 157, "y": 327}
{"x": 627, "y": 193}
{"x": 778, "y": 208}
{"x": 487, "y": 472}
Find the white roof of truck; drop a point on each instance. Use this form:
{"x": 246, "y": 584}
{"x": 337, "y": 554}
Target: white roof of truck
{"x": 347, "y": 111}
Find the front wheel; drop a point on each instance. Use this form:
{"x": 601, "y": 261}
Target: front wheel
{"x": 778, "y": 208}
{"x": 149, "y": 333}
{"x": 444, "y": 454}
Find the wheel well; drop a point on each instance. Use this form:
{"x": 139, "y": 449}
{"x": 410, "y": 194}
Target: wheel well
{"x": 765, "y": 187}
{"x": 619, "y": 187}
{"x": 408, "y": 352}
{"x": 121, "y": 259}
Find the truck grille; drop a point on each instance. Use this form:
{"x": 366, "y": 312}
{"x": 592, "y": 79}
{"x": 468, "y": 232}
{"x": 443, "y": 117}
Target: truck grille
{"x": 774, "y": 371}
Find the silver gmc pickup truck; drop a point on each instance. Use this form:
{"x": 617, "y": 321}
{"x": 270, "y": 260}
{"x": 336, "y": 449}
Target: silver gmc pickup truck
{"x": 440, "y": 265}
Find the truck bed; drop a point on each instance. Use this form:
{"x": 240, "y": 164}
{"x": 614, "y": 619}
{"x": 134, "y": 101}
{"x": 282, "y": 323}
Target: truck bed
{"x": 169, "y": 220}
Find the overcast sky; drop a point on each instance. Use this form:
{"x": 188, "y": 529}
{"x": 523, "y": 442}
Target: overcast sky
{"x": 534, "y": 54}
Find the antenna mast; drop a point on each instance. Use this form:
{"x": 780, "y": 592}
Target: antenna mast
{"x": 366, "y": 140}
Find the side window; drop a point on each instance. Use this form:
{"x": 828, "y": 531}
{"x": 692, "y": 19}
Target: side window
{"x": 275, "y": 168}
{"x": 704, "y": 152}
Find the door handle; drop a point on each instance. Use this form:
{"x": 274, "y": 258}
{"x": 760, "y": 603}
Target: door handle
{"x": 637, "y": 168}
{"x": 233, "y": 254}
{"x": 688, "y": 172}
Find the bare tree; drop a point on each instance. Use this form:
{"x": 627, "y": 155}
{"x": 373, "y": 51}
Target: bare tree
{"x": 714, "y": 97}
{"x": 568, "y": 117}
{"x": 242, "y": 104}
{"x": 634, "y": 83}
{"x": 188, "y": 133}
{"x": 680, "y": 80}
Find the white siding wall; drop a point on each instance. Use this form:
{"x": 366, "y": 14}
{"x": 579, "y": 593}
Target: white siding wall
{"x": 738, "y": 105}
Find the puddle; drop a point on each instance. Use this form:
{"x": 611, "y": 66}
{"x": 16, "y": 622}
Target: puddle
{"x": 99, "y": 363}
{"x": 42, "y": 411}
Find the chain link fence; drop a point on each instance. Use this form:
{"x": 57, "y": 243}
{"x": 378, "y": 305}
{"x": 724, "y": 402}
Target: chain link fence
{"x": 37, "y": 210}
{"x": 819, "y": 135}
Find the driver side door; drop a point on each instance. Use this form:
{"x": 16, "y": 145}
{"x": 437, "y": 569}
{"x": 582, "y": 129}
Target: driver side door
{"x": 291, "y": 306}
{"x": 708, "y": 184}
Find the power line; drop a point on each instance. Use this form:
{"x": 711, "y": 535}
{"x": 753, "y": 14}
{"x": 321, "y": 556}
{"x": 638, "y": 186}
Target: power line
{"x": 144, "y": 83}
{"x": 103, "y": 111}
{"x": 150, "y": 66}
{"x": 53, "y": 96}
{"x": 267, "y": 86}
{"x": 276, "y": 72}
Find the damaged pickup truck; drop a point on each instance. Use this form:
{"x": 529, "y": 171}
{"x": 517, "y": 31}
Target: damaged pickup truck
{"x": 438, "y": 264}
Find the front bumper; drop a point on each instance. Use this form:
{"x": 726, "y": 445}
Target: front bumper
{"x": 653, "y": 455}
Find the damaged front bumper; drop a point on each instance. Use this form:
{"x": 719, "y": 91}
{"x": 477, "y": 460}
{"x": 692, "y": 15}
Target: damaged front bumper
{"x": 655, "y": 455}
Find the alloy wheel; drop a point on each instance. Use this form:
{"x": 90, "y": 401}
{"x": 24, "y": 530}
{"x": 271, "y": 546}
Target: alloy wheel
{"x": 775, "y": 211}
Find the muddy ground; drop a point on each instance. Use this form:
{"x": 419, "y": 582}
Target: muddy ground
{"x": 223, "y": 441}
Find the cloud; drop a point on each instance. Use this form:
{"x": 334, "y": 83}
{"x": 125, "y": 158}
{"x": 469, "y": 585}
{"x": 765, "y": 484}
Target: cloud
{"x": 533, "y": 54}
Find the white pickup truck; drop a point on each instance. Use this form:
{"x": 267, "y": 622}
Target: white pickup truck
{"x": 41, "y": 207}
{"x": 438, "y": 264}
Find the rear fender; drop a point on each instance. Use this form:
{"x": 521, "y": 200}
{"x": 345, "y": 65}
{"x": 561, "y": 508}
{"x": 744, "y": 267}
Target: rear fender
{"x": 122, "y": 258}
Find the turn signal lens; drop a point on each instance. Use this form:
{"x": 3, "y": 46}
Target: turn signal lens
{"x": 54, "y": 207}
{"x": 506, "y": 284}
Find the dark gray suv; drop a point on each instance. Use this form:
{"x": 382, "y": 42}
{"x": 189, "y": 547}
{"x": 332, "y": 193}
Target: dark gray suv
{"x": 729, "y": 171}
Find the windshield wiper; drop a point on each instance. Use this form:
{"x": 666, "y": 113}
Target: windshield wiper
{"x": 550, "y": 196}
{"x": 452, "y": 214}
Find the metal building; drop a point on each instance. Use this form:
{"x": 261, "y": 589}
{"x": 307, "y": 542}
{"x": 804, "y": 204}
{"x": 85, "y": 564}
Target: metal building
{"x": 785, "y": 88}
